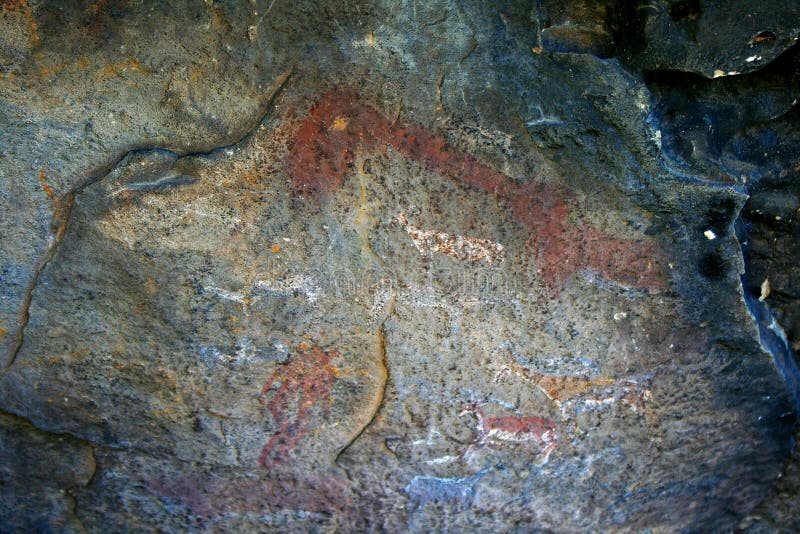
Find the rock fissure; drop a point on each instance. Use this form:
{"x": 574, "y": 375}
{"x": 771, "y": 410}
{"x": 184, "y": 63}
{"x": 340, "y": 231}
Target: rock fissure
{"x": 65, "y": 203}
{"x": 383, "y": 379}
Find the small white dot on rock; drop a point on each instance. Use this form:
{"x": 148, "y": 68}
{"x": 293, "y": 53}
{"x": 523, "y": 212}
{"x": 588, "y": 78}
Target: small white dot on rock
{"x": 710, "y": 234}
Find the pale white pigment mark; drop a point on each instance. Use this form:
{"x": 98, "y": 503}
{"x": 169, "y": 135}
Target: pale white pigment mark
{"x": 234, "y": 296}
{"x": 423, "y": 489}
{"x": 446, "y": 459}
{"x": 543, "y": 119}
{"x": 432, "y": 432}
{"x": 284, "y": 287}
{"x": 302, "y": 284}
{"x": 599, "y": 402}
{"x": 453, "y": 245}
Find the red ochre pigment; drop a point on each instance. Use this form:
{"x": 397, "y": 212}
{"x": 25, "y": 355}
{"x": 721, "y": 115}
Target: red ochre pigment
{"x": 305, "y": 384}
{"x": 324, "y": 151}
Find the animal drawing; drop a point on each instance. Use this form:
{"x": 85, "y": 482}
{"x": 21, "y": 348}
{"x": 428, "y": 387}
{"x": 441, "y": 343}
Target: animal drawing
{"x": 324, "y": 152}
{"x": 456, "y": 246}
{"x": 568, "y": 391}
{"x": 424, "y": 489}
{"x": 511, "y": 429}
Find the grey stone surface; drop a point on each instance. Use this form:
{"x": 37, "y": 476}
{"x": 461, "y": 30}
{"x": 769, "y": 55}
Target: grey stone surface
{"x": 394, "y": 266}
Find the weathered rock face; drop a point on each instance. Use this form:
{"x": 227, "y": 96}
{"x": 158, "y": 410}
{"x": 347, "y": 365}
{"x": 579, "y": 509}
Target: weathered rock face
{"x": 387, "y": 266}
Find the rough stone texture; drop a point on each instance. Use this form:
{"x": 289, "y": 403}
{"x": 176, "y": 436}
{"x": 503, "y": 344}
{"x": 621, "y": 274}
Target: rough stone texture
{"x": 397, "y": 266}
{"x": 710, "y": 38}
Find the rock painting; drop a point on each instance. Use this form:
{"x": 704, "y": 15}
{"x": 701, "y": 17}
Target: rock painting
{"x": 461, "y": 490}
{"x": 337, "y": 128}
{"x": 460, "y": 247}
{"x": 324, "y": 152}
{"x": 300, "y": 386}
{"x": 567, "y": 391}
{"x": 511, "y": 429}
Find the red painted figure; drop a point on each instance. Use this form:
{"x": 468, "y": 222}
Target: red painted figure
{"x": 324, "y": 153}
{"x": 511, "y": 428}
{"x": 305, "y": 382}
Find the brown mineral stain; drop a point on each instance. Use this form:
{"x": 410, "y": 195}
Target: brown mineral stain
{"x": 13, "y": 5}
{"x": 21, "y": 7}
{"x": 61, "y": 206}
{"x": 3, "y": 332}
{"x": 251, "y": 177}
{"x": 150, "y": 286}
{"x": 99, "y": 73}
{"x": 118, "y": 69}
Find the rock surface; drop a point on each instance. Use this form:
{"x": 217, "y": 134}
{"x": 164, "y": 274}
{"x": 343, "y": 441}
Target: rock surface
{"x": 398, "y": 266}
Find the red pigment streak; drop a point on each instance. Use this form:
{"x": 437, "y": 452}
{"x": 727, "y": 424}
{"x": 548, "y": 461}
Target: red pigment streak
{"x": 519, "y": 425}
{"x": 511, "y": 424}
{"x": 305, "y": 382}
{"x": 324, "y": 151}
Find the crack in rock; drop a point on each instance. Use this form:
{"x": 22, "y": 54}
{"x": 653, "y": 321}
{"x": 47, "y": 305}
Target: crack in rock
{"x": 61, "y": 217}
{"x": 380, "y": 345}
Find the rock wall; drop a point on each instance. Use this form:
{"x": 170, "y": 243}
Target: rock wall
{"x": 398, "y": 266}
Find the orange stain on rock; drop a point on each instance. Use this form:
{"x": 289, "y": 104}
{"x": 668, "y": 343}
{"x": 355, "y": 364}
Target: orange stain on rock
{"x": 46, "y": 188}
{"x": 13, "y": 5}
{"x": 339, "y": 122}
{"x": 22, "y": 7}
{"x": 61, "y": 206}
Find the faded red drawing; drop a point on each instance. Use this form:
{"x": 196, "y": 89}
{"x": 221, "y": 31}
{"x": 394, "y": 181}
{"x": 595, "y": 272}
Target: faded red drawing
{"x": 210, "y": 496}
{"x": 511, "y": 429}
{"x": 324, "y": 151}
{"x": 303, "y": 384}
